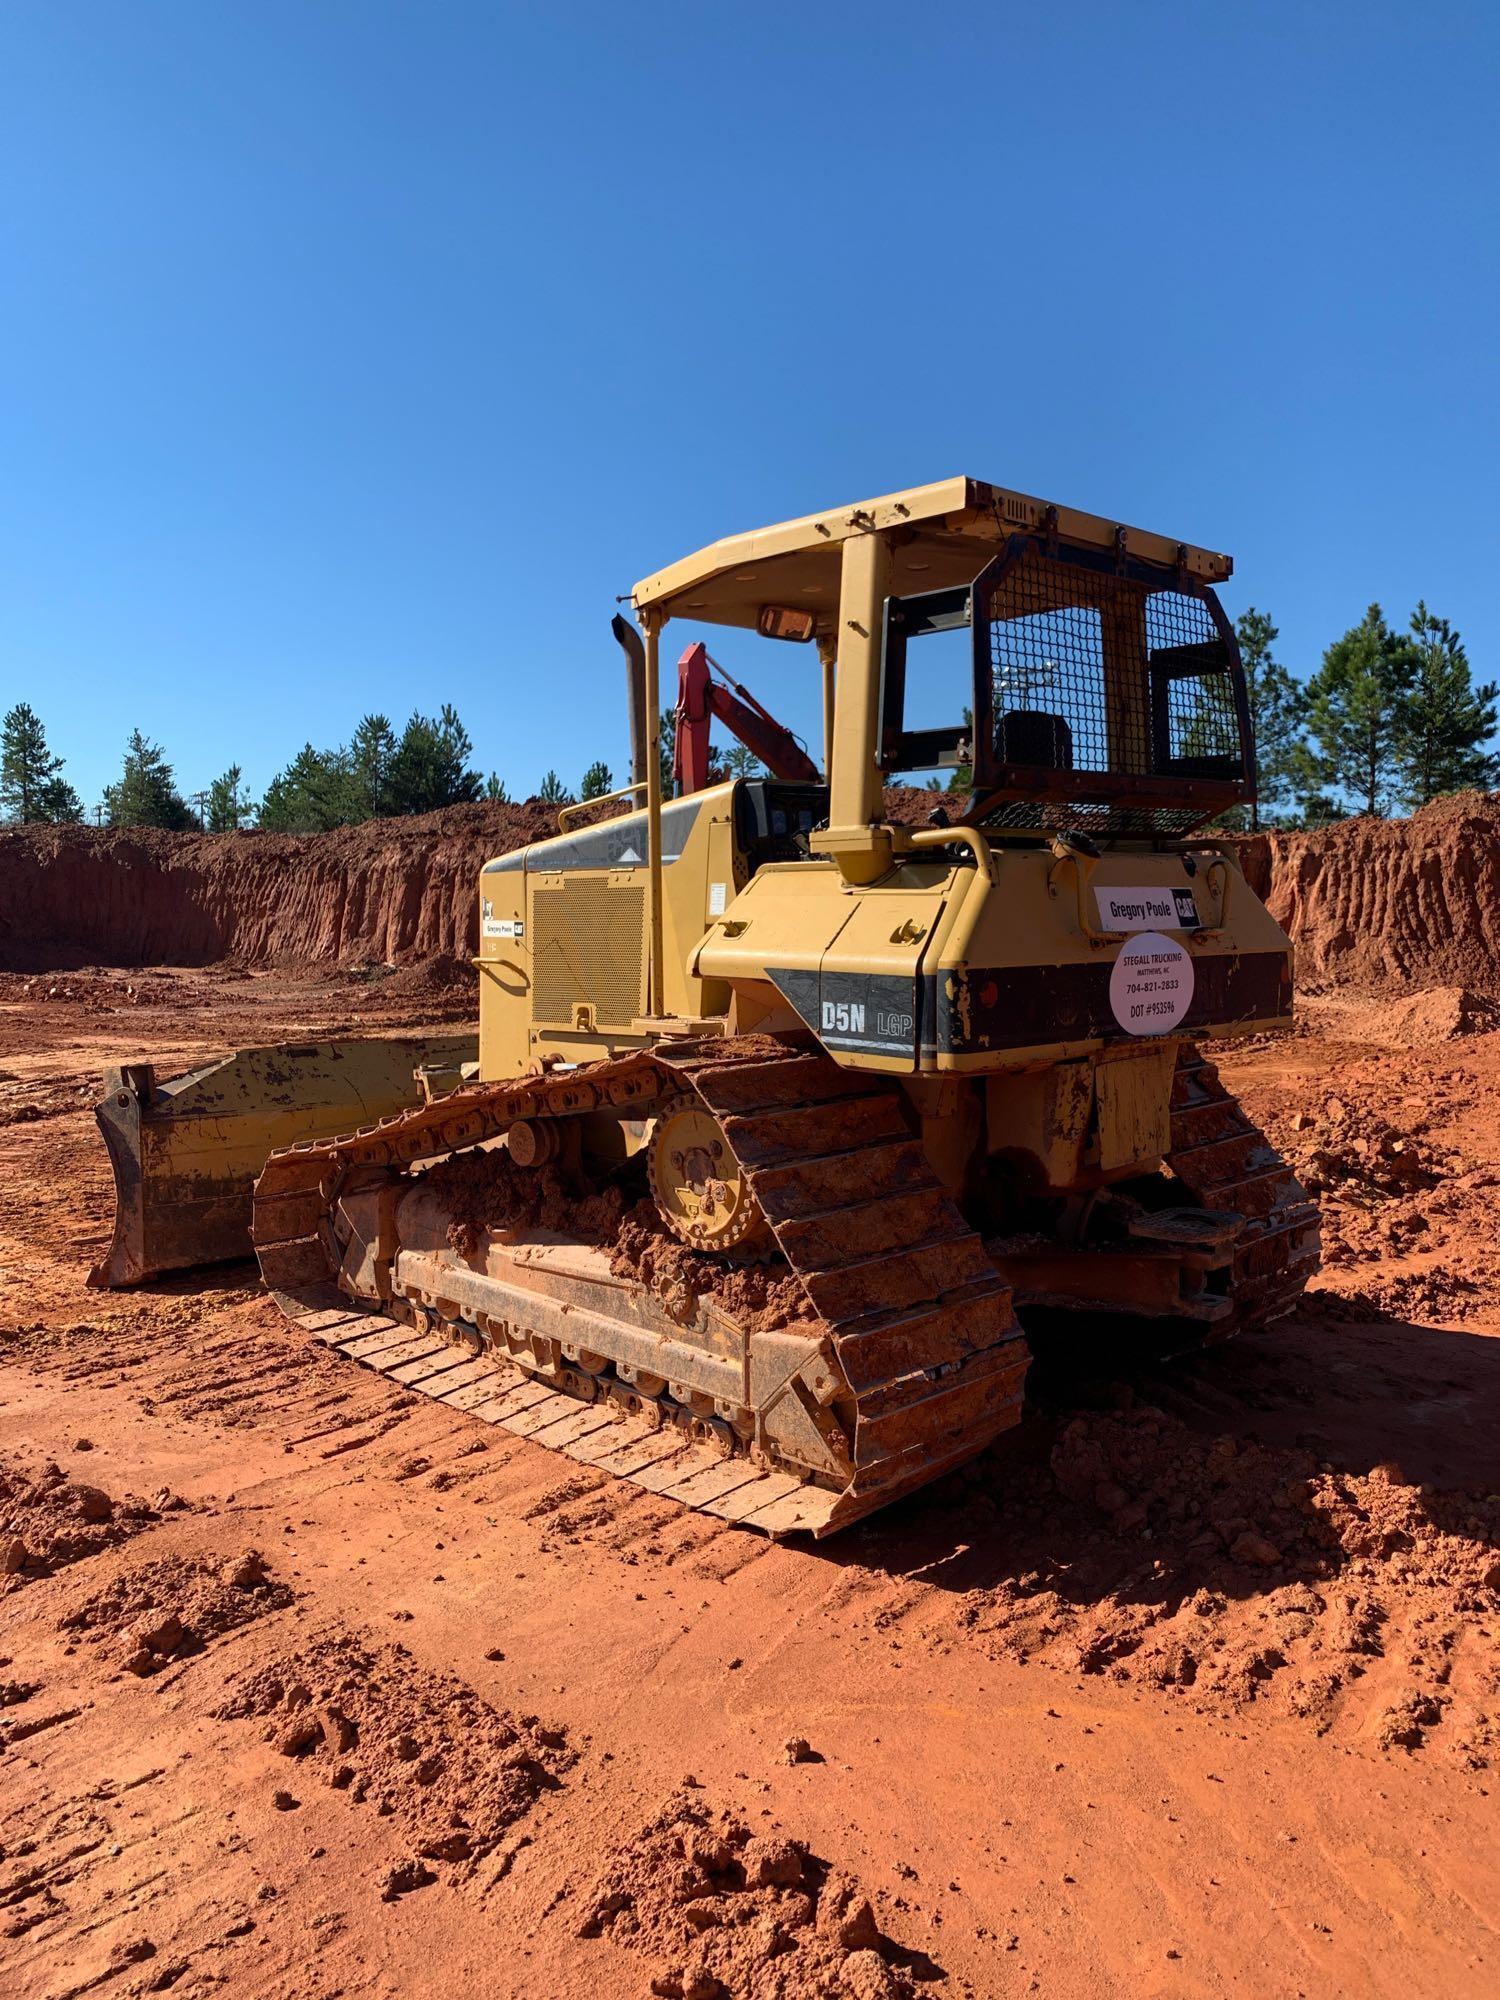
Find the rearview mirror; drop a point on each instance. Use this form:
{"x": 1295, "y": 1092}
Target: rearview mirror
{"x": 781, "y": 621}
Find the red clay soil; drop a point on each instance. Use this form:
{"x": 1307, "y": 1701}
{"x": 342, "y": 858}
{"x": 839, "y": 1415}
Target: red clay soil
{"x": 1389, "y": 906}
{"x": 388, "y": 892}
{"x": 1189, "y": 1687}
{"x": 1385, "y": 906}
{"x": 313, "y": 1687}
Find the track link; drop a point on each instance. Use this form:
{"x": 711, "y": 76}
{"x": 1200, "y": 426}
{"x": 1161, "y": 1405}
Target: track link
{"x": 931, "y": 1355}
{"x": 1229, "y": 1164}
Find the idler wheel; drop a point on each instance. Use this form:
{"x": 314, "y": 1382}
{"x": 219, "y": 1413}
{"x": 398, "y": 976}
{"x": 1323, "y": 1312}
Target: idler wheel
{"x": 701, "y": 1191}
{"x": 537, "y": 1142}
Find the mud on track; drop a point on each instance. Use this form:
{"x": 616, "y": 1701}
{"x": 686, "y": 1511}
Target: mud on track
{"x": 1191, "y": 1688}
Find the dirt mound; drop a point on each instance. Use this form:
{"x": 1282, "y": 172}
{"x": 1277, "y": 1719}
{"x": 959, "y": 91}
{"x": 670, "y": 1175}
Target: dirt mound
{"x": 1386, "y": 905}
{"x": 440, "y": 977}
{"x": 48, "y": 1520}
{"x": 422, "y": 1746}
{"x": 171, "y": 1609}
{"x": 1405, "y": 1221}
{"x": 1373, "y": 905}
{"x": 1233, "y": 1572}
{"x": 1438, "y": 1014}
{"x": 725, "y": 1914}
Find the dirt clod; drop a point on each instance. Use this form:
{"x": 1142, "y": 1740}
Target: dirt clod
{"x": 403, "y": 1877}
{"x": 755, "y": 1914}
{"x": 864, "y": 1975}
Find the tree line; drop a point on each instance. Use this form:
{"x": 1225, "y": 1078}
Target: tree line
{"x": 1390, "y": 719}
{"x": 378, "y": 774}
{"x": 375, "y": 775}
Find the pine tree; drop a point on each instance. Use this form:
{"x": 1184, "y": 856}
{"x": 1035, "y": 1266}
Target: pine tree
{"x": 30, "y": 789}
{"x": 1446, "y": 718}
{"x": 552, "y": 791}
{"x": 740, "y": 761}
{"x": 372, "y": 759}
{"x": 1356, "y": 710}
{"x": 229, "y": 804}
{"x": 312, "y": 795}
{"x": 495, "y": 789}
{"x": 668, "y": 747}
{"x": 430, "y": 769}
{"x": 146, "y": 793}
{"x": 1276, "y": 710}
{"x": 597, "y": 780}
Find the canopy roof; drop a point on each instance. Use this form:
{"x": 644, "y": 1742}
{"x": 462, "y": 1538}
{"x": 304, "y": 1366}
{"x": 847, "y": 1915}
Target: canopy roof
{"x": 940, "y": 535}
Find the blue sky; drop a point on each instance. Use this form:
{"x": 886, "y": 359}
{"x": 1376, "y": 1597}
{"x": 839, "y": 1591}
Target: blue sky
{"x": 355, "y": 355}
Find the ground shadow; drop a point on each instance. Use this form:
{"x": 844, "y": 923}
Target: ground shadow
{"x": 1138, "y": 1481}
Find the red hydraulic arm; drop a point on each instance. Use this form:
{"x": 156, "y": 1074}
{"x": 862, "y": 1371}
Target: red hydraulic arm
{"x": 700, "y": 697}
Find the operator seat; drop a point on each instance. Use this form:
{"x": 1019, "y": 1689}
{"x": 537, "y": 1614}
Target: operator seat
{"x": 1033, "y": 736}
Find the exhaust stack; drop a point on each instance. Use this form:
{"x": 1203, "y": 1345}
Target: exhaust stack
{"x": 635, "y": 683}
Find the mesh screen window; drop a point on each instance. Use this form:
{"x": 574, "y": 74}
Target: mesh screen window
{"x": 1095, "y": 672}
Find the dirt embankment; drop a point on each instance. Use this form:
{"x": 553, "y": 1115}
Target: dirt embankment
{"x": 388, "y": 892}
{"x": 1385, "y": 906}
{"x": 391, "y": 890}
{"x": 1376, "y": 906}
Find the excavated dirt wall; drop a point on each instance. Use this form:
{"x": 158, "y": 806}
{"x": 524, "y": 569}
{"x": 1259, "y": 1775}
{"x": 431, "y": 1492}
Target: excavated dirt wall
{"x": 1388, "y": 906}
{"x": 392, "y": 890}
{"x": 1374, "y": 905}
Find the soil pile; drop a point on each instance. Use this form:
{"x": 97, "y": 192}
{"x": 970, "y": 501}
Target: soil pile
{"x": 1405, "y": 1220}
{"x": 422, "y": 1747}
{"x": 1386, "y": 906}
{"x": 1434, "y": 1014}
{"x": 724, "y": 1913}
{"x": 1235, "y": 1573}
{"x": 171, "y": 1609}
{"x": 49, "y": 1520}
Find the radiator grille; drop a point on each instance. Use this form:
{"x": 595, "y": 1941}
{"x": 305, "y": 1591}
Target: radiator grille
{"x": 589, "y": 942}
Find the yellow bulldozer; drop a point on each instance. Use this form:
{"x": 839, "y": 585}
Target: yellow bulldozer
{"x": 788, "y": 1118}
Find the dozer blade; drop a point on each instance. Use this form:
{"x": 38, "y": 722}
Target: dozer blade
{"x": 186, "y": 1152}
